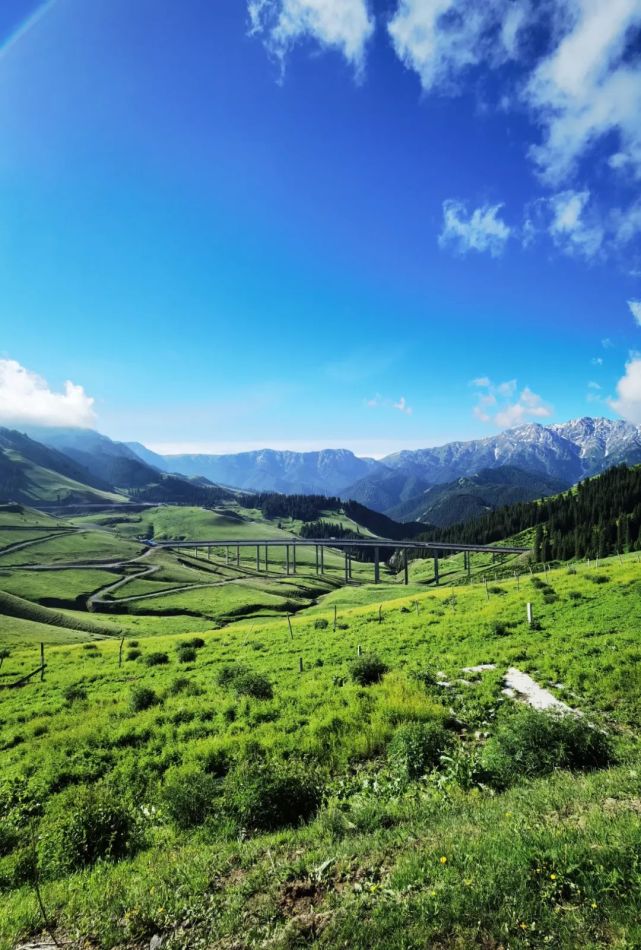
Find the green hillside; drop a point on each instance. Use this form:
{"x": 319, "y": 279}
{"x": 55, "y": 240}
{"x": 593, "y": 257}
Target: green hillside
{"x": 358, "y": 847}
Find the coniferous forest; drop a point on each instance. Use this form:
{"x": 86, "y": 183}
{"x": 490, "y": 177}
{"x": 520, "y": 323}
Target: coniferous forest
{"x": 600, "y": 516}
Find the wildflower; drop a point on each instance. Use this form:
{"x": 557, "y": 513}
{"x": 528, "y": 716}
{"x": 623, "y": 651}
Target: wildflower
{"x": 443, "y": 859}
{"x": 467, "y": 882}
{"x": 523, "y": 925}
{"x": 594, "y": 905}
{"x": 553, "y": 877}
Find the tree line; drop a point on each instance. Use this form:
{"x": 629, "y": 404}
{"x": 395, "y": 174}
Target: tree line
{"x": 599, "y": 517}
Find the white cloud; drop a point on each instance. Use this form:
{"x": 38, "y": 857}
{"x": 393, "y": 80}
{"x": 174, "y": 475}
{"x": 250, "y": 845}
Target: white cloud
{"x": 402, "y": 406}
{"x": 574, "y": 228}
{"x": 441, "y": 39}
{"x": 628, "y": 402}
{"x": 344, "y": 25}
{"x": 26, "y": 397}
{"x": 593, "y": 385}
{"x": 482, "y": 230}
{"x": 583, "y": 87}
{"x": 635, "y": 310}
{"x": 509, "y": 408}
{"x": 586, "y": 88}
{"x": 597, "y": 361}
{"x": 379, "y": 402}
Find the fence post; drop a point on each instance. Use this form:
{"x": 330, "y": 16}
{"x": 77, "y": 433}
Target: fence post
{"x": 122, "y": 642}
{"x": 529, "y": 614}
{"x": 291, "y": 632}
{"x": 42, "y": 662}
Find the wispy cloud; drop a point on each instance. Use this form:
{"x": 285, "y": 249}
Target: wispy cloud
{"x": 380, "y": 402}
{"x": 26, "y": 397}
{"x": 505, "y": 407}
{"x": 480, "y": 230}
{"x": 343, "y": 25}
{"x": 635, "y": 310}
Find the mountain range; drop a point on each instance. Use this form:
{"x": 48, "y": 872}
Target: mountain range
{"x": 434, "y": 485}
{"x": 563, "y": 453}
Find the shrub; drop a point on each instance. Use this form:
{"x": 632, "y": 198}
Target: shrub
{"x": 142, "y": 697}
{"x": 188, "y": 796}
{"x": 321, "y": 624}
{"x": 182, "y": 684}
{"x": 196, "y": 643}
{"x": 499, "y": 629}
{"x": 529, "y": 743}
{"x": 9, "y": 838}
{"x": 133, "y": 643}
{"x": 497, "y": 590}
{"x": 133, "y": 654}
{"x": 599, "y": 578}
{"x": 253, "y": 684}
{"x": 74, "y": 692}
{"x": 264, "y": 796}
{"x": 83, "y": 825}
{"x": 416, "y": 747}
{"x": 156, "y": 659}
{"x": 366, "y": 670}
{"x": 245, "y": 682}
{"x": 228, "y": 673}
{"x": 186, "y": 654}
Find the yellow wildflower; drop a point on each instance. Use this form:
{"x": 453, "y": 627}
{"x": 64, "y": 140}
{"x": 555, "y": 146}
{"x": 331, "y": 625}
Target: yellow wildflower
{"x": 443, "y": 859}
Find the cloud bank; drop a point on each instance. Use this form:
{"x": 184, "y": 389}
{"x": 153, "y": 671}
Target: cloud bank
{"x": 26, "y": 397}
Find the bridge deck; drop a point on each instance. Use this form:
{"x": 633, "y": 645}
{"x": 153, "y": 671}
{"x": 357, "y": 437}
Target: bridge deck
{"x": 427, "y": 546}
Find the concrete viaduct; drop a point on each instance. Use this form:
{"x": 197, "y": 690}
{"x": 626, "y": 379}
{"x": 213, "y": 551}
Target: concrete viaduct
{"x": 429, "y": 548}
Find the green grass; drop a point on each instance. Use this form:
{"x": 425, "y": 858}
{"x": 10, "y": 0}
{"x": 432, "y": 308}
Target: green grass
{"x": 550, "y": 862}
{"x": 442, "y": 861}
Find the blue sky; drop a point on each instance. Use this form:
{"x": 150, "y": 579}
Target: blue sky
{"x": 309, "y": 223}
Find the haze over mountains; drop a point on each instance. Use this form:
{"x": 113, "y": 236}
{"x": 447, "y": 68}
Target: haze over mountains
{"x": 441, "y": 485}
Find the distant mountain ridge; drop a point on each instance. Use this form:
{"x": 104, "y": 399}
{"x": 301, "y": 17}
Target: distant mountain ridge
{"x": 567, "y": 452}
{"x": 398, "y": 485}
{"x": 473, "y": 496}
{"x": 296, "y": 473}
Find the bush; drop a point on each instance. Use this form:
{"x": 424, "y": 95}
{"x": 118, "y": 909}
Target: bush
{"x": 156, "y": 659}
{"x": 133, "y": 643}
{"x": 196, "y": 643}
{"x": 253, "y": 684}
{"x": 228, "y": 673}
{"x": 188, "y": 796}
{"x": 133, "y": 654}
{"x": 366, "y": 670}
{"x": 245, "y": 682}
{"x": 499, "y": 629}
{"x": 83, "y": 825}
{"x": 599, "y": 579}
{"x": 416, "y": 747}
{"x": 321, "y": 624}
{"x": 182, "y": 684}
{"x": 186, "y": 654}
{"x": 74, "y": 692}
{"x": 530, "y": 743}
{"x": 263, "y": 796}
{"x": 142, "y": 697}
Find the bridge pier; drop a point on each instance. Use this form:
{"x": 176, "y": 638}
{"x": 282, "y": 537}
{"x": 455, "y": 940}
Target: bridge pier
{"x": 209, "y": 553}
{"x": 287, "y": 559}
{"x": 266, "y": 559}
{"x": 238, "y": 555}
{"x": 346, "y": 567}
{"x": 322, "y": 553}
{"x": 316, "y": 551}
{"x": 293, "y": 559}
{"x": 257, "y": 557}
{"x": 406, "y": 578}
{"x": 436, "y": 573}
{"x": 377, "y": 566}
{"x": 226, "y": 554}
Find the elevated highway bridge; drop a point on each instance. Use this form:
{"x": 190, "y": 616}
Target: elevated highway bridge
{"x": 433, "y": 549}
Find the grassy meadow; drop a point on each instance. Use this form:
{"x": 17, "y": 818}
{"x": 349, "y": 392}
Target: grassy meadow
{"x": 283, "y": 761}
